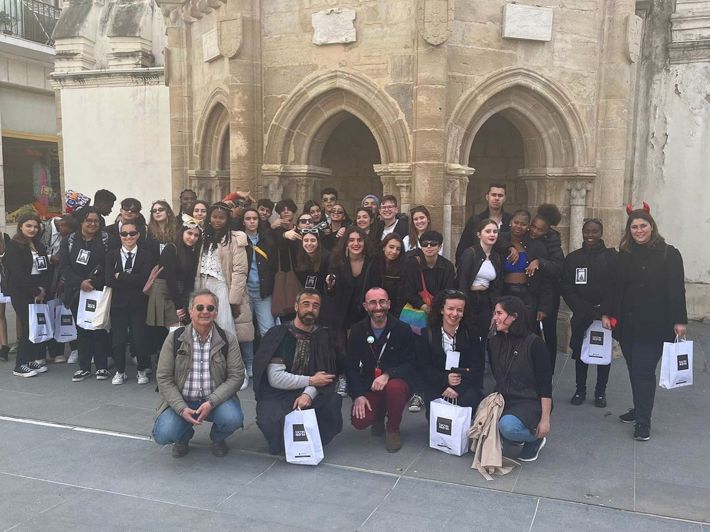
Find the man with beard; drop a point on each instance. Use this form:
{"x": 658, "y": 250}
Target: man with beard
{"x": 295, "y": 367}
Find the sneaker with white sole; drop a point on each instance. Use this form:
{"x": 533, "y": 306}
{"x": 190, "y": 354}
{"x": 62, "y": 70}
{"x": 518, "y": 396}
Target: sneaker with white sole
{"x": 245, "y": 384}
{"x": 80, "y": 375}
{"x": 416, "y": 403}
{"x": 143, "y": 377}
{"x": 24, "y": 371}
{"x": 118, "y": 378}
{"x": 531, "y": 450}
{"x": 342, "y": 387}
{"x": 73, "y": 357}
{"x": 102, "y": 374}
{"x": 37, "y": 366}
{"x": 60, "y": 359}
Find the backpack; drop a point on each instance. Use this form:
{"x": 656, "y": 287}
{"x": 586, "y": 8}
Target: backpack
{"x": 177, "y": 332}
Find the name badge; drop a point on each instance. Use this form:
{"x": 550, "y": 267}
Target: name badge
{"x": 310, "y": 281}
{"x": 452, "y": 359}
{"x": 580, "y": 276}
{"x": 162, "y": 247}
{"x": 83, "y": 256}
{"x": 41, "y": 263}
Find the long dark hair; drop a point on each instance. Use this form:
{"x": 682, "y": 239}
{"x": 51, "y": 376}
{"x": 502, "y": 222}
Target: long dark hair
{"x": 435, "y": 319}
{"x": 656, "y": 239}
{"x": 187, "y": 257}
{"x": 340, "y": 253}
{"x": 19, "y": 237}
{"x": 213, "y": 237}
{"x": 514, "y": 306}
{"x": 306, "y": 263}
{"x": 395, "y": 265}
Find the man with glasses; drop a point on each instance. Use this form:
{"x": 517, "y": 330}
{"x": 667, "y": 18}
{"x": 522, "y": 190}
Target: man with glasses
{"x": 380, "y": 367}
{"x": 130, "y": 212}
{"x": 390, "y": 220}
{"x": 328, "y": 198}
{"x": 195, "y": 385}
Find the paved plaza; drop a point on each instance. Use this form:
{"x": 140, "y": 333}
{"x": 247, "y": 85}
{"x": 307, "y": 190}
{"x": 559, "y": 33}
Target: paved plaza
{"x": 77, "y": 456}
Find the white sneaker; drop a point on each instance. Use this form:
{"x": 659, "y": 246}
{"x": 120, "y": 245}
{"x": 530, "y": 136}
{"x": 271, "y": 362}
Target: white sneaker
{"x": 118, "y": 378}
{"x": 143, "y": 377}
{"x": 73, "y": 357}
{"x": 60, "y": 359}
{"x": 245, "y": 384}
{"x": 250, "y": 373}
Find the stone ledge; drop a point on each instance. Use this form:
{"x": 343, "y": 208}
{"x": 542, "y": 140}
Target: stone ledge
{"x": 108, "y": 78}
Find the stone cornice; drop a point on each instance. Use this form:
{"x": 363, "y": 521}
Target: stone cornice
{"x": 108, "y": 78}
{"x": 690, "y": 32}
{"x": 187, "y": 11}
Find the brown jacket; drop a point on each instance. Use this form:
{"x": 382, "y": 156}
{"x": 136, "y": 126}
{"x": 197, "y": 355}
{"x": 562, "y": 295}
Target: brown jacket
{"x": 488, "y": 456}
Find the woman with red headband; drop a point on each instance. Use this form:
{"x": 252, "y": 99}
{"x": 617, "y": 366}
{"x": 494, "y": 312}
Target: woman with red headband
{"x": 649, "y": 303}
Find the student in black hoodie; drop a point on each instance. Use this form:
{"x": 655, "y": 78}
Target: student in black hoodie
{"x": 587, "y": 277}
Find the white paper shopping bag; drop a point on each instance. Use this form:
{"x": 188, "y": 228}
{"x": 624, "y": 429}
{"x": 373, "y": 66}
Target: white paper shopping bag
{"x": 302, "y": 439}
{"x": 676, "y": 364}
{"x": 597, "y": 345}
{"x": 448, "y": 427}
{"x": 94, "y": 310}
{"x": 40, "y": 323}
{"x": 64, "y": 326}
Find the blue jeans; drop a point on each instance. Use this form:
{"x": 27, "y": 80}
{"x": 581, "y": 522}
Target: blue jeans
{"x": 247, "y": 349}
{"x": 225, "y": 418}
{"x": 512, "y": 429}
{"x": 261, "y": 308}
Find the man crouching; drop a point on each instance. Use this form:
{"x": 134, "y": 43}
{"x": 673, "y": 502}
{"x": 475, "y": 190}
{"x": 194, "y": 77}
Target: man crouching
{"x": 295, "y": 367}
{"x": 200, "y": 370}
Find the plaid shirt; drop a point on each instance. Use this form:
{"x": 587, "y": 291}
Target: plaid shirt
{"x": 198, "y": 384}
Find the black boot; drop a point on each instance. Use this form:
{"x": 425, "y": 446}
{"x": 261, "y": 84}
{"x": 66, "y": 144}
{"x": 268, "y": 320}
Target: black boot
{"x": 579, "y": 396}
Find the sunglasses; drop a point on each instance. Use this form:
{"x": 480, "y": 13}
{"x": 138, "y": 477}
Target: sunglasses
{"x": 430, "y": 244}
{"x": 126, "y": 234}
{"x": 337, "y": 211}
{"x": 312, "y": 231}
{"x": 200, "y": 308}
{"x": 451, "y": 292}
{"x": 133, "y": 210}
{"x": 157, "y": 209}
{"x": 305, "y": 221}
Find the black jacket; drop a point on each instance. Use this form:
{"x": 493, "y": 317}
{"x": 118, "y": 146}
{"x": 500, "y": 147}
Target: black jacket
{"x": 75, "y": 273}
{"x": 309, "y": 278}
{"x": 265, "y": 266}
{"x": 539, "y": 285}
{"x": 470, "y": 263}
{"x": 438, "y": 278}
{"x": 22, "y": 285}
{"x": 551, "y": 265}
{"x": 398, "y": 359}
{"x": 468, "y": 236}
{"x": 393, "y": 284}
{"x": 128, "y": 287}
{"x": 431, "y": 359}
{"x": 325, "y": 356}
{"x": 649, "y": 292}
{"x": 178, "y": 274}
{"x": 584, "y": 296}
{"x": 343, "y": 305}
{"x": 115, "y": 238}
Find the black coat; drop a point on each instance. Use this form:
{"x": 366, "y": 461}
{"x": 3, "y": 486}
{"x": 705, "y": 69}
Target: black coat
{"x": 74, "y": 273}
{"x": 469, "y": 265}
{"x": 551, "y": 265}
{"x": 586, "y": 295}
{"x": 265, "y": 266}
{"x": 114, "y": 240}
{"x": 398, "y": 359}
{"x": 179, "y": 274}
{"x": 431, "y": 360}
{"x": 342, "y": 306}
{"x": 438, "y": 278}
{"x": 649, "y": 292}
{"x": 22, "y": 285}
{"x": 128, "y": 287}
{"x": 469, "y": 238}
{"x": 309, "y": 278}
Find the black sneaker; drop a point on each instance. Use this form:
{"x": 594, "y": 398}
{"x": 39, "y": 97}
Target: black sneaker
{"x": 24, "y": 371}
{"x": 531, "y": 450}
{"x": 80, "y": 375}
{"x": 39, "y": 368}
{"x": 102, "y": 374}
{"x": 578, "y": 398}
{"x": 629, "y": 417}
{"x": 642, "y": 432}
{"x": 600, "y": 401}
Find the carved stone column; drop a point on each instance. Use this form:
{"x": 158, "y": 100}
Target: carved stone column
{"x": 577, "y": 209}
{"x": 455, "y": 189}
{"x": 298, "y": 182}
{"x": 396, "y": 180}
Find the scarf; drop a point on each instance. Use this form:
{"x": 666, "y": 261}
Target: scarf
{"x": 302, "y": 352}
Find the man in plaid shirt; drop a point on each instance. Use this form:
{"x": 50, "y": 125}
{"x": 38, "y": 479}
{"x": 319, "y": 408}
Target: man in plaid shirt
{"x": 195, "y": 383}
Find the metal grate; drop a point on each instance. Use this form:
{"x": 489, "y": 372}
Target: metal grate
{"x": 29, "y": 19}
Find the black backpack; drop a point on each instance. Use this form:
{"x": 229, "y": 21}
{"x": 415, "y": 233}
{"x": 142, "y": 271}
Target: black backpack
{"x": 177, "y": 332}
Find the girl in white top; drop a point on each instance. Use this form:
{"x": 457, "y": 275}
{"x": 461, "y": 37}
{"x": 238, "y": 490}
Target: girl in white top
{"x": 419, "y": 222}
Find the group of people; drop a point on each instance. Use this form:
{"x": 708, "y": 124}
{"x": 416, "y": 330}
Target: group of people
{"x": 314, "y": 305}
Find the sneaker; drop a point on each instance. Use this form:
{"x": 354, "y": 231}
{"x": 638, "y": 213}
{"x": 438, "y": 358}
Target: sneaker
{"x": 102, "y": 374}
{"x": 245, "y": 384}
{"x": 148, "y": 371}
{"x": 629, "y": 417}
{"x": 642, "y": 432}
{"x": 342, "y": 386}
{"x": 60, "y": 359}
{"x": 250, "y": 373}
{"x": 600, "y": 401}
{"x": 37, "y": 366}
{"x": 531, "y": 450}
{"x": 118, "y": 378}
{"x": 143, "y": 377}
{"x": 80, "y": 375}
{"x": 73, "y": 357}
{"x": 578, "y": 398}
{"x": 24, "y": 371}
{"x": 416, "y": 403}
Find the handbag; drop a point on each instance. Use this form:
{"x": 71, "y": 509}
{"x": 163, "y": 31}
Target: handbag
{"x": 448, "y": 427}
{"x": 424, "y": 293}
{"x": 286, "y": 287}
{"x": 676, "y": 364}
{"x": 151, "y": 278}
{"x": 94, "y": 310}
{"x": 64, "y": 326}
{"x": 414, "y": 317}
{"x": 596, "y": 346}
{"x": 302, "y": 441}
{"x": 40, "y": 323}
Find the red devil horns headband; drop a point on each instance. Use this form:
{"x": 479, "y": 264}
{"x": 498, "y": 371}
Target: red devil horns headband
{"x": 646, "y": 207}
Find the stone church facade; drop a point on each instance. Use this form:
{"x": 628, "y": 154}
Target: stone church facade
{"x": 429, "y": 100}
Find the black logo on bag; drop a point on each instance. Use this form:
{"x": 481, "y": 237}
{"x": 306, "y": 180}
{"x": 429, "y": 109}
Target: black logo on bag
{"x": 299, "y": 432}
{"x": 66, "y": 319}
{"x": 596, "y": 338}
{"x": 682, "y": 362}
{"x": 41, "y": 319}
{"x": 91, "y": 305}
{"x": 443, "y": 426}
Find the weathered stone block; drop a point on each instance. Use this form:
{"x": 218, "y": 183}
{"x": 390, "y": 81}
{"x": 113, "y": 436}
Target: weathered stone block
{"x": 334, "y": 26}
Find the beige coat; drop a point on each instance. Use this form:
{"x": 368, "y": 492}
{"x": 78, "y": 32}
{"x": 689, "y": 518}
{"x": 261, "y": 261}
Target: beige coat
{"x": 488, "y": 456}
{"x": 235, "y": 268}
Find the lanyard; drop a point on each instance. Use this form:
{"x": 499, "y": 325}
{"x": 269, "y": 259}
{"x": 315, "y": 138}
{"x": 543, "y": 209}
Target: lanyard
{"x": 382, "y": 351}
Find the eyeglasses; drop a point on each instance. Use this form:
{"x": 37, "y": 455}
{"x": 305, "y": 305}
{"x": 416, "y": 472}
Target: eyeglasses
{"x": 429, "y": 243}
{"x": 126, "y": 234}
{"x": 312, "y": 231}
{"x": 387, "y": 207}
{"x": 305, "y": 220}
{"x": 157, "y": 209}
{"x": 132, "y": 209}
{"x": 337, "y": 211}
{"x": 91, "y": 222}
{"x": 200, "y": 308}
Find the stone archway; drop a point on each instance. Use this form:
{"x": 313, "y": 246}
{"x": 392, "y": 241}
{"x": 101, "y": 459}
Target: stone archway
{"x": 210, "y": 180}
{"x": 305, "y": 122}
{"x": 556, "y": 148}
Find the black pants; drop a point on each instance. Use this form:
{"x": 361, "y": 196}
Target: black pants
{"x": 642, "y": 356}
{"x": 91, "y": 344}
{"x": 581, "y": 368}
{"x": 479, "y": 310}
{"x": 270, "y": 414}
{"x": 468, "y": 396}
{"x": 529, "y": 299}
{"x": 121, "y": 320}
{"x": 26, "y": 350}
{"x": 549, "y": 327}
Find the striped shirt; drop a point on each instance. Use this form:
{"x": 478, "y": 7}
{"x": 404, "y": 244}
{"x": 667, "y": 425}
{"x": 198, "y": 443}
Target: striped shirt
{"x": 198, "y": 385}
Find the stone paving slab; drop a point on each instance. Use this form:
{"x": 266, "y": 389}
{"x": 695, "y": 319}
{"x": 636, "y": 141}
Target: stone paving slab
{"x": 590, "y": 457}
